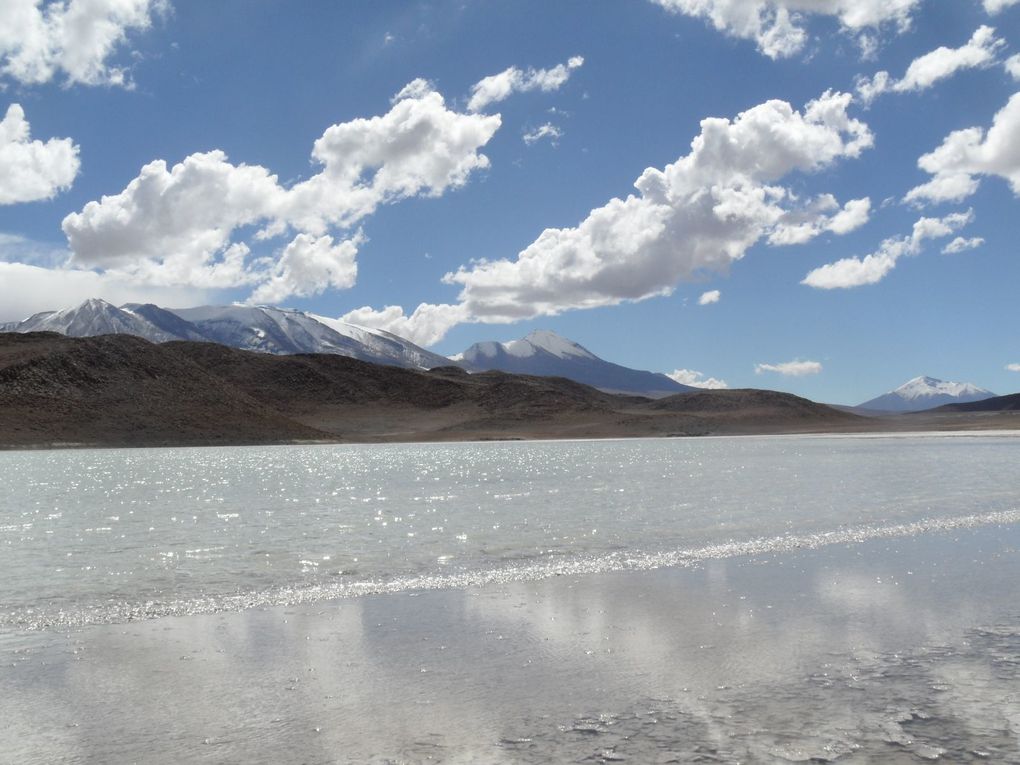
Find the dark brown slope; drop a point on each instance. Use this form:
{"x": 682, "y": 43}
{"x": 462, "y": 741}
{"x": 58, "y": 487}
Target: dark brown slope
{"x": 363, "y": 401}
{"x": 123, "y": 390}
{"x": 750, "y": 409}
{"x": 1010, "y": 403}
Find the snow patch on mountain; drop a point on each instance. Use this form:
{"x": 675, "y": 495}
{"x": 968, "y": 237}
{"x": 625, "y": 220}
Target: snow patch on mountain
{"x": 926, "y": 393}
{"x": 253, "y": 328}
{"x": 545, "y": 353}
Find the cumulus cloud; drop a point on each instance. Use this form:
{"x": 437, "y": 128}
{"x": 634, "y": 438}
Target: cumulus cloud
{"x": 1013, "y": 367}
{"x": 871, "y": 269}
{"x": 799, "y": 226}
{"x": 32, "y": 170}
{"x": 965, "y": 155}
{"x": 41, "y": 40}
{"x": 697, "y": 215}
{"x": 796, "y": 368}
{"x": 1012, "y": 66}
{"x": 707, "y": 298}
{"x": 26, "y": 289}
{"x": 548, "y": 130}
{"x": 181, "y": 224}
{"x": 310, "y": 265}
{"x": 499, "y": 87}
{"x": 425, "y": 326}
{"x": 696, "y": 379}
{"x": 992, "y": 7}
{"x": 779, "y": 26}
{"x": 980, "y": 51}
{"x": 962, "y": 244}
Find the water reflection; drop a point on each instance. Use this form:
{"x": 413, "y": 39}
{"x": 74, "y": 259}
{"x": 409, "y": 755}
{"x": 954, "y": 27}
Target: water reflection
{"x": 888, "y": 651}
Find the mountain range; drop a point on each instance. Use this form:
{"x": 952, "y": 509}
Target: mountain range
{"x": 923, "y": 393}
{"x": 120, "y": 390}
{"x": 251, "y": 328}
{"x": 543, "y": 353}
{"x": 283, "y": 331}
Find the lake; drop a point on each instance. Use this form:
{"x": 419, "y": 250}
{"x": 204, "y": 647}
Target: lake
{"x": 114, "y": 562}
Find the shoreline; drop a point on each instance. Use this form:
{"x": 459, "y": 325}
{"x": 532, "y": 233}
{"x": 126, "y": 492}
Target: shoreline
{"x": 1008, "y": 424}
{"x": 753, "y": 657}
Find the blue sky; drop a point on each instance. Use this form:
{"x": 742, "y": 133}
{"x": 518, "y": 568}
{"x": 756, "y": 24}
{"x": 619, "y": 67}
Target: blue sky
{"x": 832, "y": 231}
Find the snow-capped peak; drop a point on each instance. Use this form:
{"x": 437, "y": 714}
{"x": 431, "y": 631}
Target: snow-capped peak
{"x": 923, "y": 387}
{"x": 548, "y": 341}
{"x": 926, "y": 393}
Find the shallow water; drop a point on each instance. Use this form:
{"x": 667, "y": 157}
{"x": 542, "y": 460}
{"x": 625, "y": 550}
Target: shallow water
{"x": 107, "y": 536}
{"x": 887, "y": 651}
{"x": 796, "y": 599}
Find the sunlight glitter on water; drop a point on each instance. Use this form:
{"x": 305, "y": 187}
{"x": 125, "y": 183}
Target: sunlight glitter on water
{"x": 226, "y": 528}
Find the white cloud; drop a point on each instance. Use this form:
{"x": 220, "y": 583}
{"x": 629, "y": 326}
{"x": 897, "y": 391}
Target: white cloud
{"x": 980, "y": 51}
{"x": 992, "y": 7}
{"x": 548, "y": 130}
{"x": 1012, "y": 66}
{"x": 707, "y": 298}
{"x": 871, "y": 269}
{"x": 420, "y": 147}
{"x": 967, "y": 154}
{"x": 698, "y": 215}
{"x": 799, "y": 226}
{"x": 310, "y": 265}
{"x": 167, "y": 226}
{"x": 696, "y": 379}
{"x": 41, "y": 39}
{"x": 27, "y": 289}
{"x": 962, "y": 244}
{"x": 180, "y": 225}
{"x": 1013, "y": 367}
{"x": 499, "y": 87}
{"x": 427, "y": 325}
{"x": 779, "y": 26}
{"x": 790, "y": 368}
{"x": 32, "y": 170}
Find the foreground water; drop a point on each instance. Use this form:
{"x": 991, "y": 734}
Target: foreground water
{"x": 800, "y": 599}
{"x": 101, "y": 536}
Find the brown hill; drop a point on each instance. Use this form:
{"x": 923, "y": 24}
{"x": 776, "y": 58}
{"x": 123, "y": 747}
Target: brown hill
{"x": 1010, "y": 403}
{"x": 122, "y": 390}
{"x": 763, "y": 407}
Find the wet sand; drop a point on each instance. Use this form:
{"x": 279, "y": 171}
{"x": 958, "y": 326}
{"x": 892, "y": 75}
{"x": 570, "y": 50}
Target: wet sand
{"x": 893, "y": 650}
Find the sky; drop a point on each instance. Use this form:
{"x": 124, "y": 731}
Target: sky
{"x": 817, "y": 196}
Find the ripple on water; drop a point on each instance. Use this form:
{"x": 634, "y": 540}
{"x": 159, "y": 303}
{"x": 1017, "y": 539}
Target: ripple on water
{"x": 345, "y": 586}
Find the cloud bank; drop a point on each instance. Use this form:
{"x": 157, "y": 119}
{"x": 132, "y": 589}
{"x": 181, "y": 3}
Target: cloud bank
{"x": 698, "y": 215}
{"x": 196, "y": 222}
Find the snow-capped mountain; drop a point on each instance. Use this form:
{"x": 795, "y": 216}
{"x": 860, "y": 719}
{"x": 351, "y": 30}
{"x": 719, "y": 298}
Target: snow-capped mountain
{"x": 926, "y": 393}
{"x": 546, "y": 353}
{"x": 386, "y": 345}
{"x": 252, "y": 328}
{"x": 93, "y": 317}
